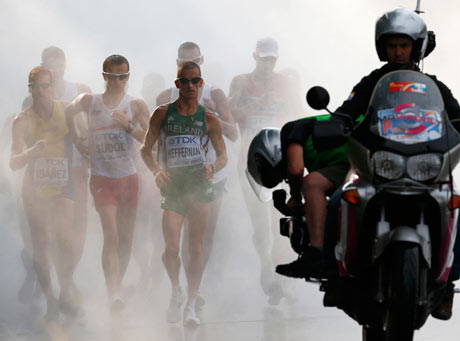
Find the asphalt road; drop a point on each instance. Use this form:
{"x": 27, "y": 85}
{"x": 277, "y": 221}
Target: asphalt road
{"x": 236, "y": 307}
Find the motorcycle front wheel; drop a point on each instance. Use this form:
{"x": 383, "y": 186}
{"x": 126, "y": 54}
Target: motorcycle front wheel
{"x": 404, "y": 267}
{"x": 403, "y": 292}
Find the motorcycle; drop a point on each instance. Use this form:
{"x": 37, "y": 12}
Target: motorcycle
{"x": 398, "y": 211}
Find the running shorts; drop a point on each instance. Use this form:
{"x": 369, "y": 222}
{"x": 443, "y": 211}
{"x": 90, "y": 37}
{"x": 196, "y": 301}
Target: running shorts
{"x": 179, "y": 196}
{"x": 114, "y": 191}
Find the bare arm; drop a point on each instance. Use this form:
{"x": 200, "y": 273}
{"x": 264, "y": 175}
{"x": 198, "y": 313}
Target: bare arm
{"x": 140, "y": 118}
{"x": 78, "y": 105}
{"x": 151, "y": 137}
{"x": 19, "y": 157}
{"x": 225, "y": 115}
{"x": 81, "y": 123}
{"x": 215, "y": 135}
{"x": 237, "y": 87}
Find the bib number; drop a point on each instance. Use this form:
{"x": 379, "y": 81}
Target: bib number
{"x": 51, "y": 172}
{"x": 183, "y": 150}
{"x": 111, "y": 145}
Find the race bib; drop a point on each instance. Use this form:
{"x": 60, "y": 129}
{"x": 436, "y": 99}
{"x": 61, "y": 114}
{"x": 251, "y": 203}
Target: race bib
{"x": 51, "y": 172}
{"x": 110, "y": 145}
{"x": 183, "y": 150}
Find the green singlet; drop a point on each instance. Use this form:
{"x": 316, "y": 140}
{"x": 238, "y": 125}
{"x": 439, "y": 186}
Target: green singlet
{"x": 181, "y": 151}
{"x": 315, "y": 160}
{"x": 332, "y": 164}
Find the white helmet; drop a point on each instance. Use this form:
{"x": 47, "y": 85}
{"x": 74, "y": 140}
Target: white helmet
{"x": 264, "y": 158}
{"x": 401, "y": 21}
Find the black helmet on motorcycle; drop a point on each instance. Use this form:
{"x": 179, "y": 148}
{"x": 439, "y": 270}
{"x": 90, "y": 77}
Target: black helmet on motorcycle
{"x": 401, "y": 21}
{"x": 265, "y": 158}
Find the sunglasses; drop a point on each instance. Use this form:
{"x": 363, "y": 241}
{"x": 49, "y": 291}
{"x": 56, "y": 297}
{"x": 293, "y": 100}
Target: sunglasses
{"x": 185, "y": 81}
{"x": 41, "y": 85}
{"x": 121, "y": 76}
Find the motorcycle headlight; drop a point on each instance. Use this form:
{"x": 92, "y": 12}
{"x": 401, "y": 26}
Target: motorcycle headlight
{"x": 424, "y": 167}
{"x": 388, "y": 165}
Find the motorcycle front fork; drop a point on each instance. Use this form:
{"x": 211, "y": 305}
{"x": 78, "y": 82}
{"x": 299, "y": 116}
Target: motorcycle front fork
{"x": 383, "y": 228}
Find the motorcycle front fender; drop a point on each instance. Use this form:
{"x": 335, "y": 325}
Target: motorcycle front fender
{"x": 419, "y": 235}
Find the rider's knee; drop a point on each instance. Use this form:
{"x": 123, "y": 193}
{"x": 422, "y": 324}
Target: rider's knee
{"x": 315, "y": 182}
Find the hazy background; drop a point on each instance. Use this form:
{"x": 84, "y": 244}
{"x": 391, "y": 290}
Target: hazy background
{"x": 329, "y": 43}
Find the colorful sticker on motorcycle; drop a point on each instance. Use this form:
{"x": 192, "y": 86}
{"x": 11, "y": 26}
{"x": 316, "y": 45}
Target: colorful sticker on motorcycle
{"x": 419, "y": 88}
{"x": 409, "y": 124}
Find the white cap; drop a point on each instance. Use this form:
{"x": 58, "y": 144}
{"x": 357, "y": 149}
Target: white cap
{"x": 267, "y": 47}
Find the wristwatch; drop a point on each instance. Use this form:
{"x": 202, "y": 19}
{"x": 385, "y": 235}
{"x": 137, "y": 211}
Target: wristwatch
{"x": 130, "y": 127}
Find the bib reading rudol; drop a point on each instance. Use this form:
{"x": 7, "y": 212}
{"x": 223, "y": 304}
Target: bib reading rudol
{"x": 110, "y": 146}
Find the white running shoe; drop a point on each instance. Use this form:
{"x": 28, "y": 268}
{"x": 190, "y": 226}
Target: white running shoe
{"x": 190, "y": 318}
{"x": 173, "y": 313}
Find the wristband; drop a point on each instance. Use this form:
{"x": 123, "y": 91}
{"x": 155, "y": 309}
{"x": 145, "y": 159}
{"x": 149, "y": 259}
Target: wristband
{"x": 130, "y": 127}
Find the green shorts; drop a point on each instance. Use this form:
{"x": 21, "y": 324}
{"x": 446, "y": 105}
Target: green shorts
{"x": 180, "y": 196}
{"x": 335, "y": 174}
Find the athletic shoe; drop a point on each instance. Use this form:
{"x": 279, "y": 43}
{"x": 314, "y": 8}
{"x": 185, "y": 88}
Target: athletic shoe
{"x": 190, "y": 318}
{"x": 444, "y": 310}
{"x": 173, "y": 313}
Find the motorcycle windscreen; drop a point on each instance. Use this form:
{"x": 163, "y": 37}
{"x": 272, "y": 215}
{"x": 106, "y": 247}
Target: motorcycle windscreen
{"x": 407, "y": 107}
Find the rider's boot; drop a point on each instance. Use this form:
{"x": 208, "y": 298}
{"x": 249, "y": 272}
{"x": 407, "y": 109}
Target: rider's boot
{"x": 309, "y": 264}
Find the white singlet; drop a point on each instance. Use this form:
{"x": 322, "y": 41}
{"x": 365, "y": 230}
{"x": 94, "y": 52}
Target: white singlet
{"x": 110, "y": 145}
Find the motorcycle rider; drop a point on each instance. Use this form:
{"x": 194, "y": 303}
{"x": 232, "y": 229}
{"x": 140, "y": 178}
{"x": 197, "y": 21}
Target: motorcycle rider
{"x": 402, "y": 40}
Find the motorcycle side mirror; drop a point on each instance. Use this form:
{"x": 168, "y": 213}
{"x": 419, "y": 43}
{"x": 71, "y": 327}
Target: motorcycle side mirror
{"x": 318, "y": 98}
